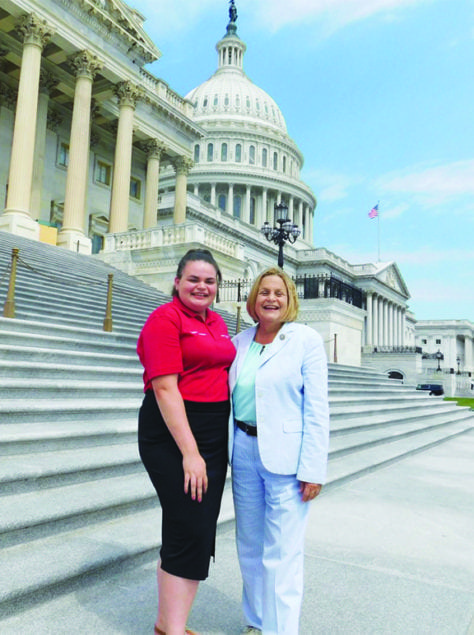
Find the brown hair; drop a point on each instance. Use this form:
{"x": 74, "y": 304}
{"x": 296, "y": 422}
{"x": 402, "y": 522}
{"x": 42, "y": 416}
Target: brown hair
{"x": 193, "y": 255}
{"x": 293, "y": 303}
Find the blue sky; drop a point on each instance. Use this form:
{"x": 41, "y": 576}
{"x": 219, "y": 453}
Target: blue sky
{"x": 379, "y": 97}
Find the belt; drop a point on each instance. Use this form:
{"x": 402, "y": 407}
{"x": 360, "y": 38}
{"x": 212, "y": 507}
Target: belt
{"x": 250, "y": 430}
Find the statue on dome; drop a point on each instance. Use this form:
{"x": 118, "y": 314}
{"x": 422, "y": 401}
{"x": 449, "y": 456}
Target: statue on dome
{"x": 232, "y": 11}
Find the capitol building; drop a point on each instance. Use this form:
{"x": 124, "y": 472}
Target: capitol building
{"x": 98, "y": 155}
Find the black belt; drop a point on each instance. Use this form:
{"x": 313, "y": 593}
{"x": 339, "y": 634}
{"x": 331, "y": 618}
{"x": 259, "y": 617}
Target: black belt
{"x": 250, "y": 430}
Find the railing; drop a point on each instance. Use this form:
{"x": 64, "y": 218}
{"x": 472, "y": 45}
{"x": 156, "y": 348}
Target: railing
{"x": 308, "y": 287}
{"x": 9, "y": 309}
{"x": 397, "y": 350}
{"x": 172, "y": 235}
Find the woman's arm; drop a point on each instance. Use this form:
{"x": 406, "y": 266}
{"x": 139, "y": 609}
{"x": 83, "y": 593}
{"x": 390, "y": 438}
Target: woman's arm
{"x": 171, "y": 406}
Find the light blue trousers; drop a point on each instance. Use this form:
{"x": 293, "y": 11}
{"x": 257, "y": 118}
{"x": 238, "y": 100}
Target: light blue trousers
{"x": 270, "y": 526}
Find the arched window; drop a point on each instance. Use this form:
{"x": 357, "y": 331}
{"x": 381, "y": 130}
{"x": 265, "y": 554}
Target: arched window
{"x": 237, "y": 206}
{"x": 221, "y": 202}
{"x": 247, "y": 101}
{"x": 226, "y": 99}
{"x": 252, "y": 211}
{"x": 264, "y": 157}
{"x": 216, "y": 99}
{"x": 197, "y": 150}
{"x": 284, "y": 164}
{"x": 224, "y": 152}
{"x": 252, "y": 155}
{"x": 237, "y": 102}
{"x": 210, "y": 151}
{"x": 275, "y": 161}
{"x": 238, "y": 153}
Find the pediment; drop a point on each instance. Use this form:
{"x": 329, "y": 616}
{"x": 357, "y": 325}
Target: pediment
{"x": 128, "y": 21}
{"x": 391, "y": 276}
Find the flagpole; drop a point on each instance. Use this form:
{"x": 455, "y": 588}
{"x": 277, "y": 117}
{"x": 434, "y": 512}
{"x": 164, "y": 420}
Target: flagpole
{"x": 378, "y": 230}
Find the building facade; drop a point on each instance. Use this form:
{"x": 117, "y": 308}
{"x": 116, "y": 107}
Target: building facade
{"x": 99, "y": 155}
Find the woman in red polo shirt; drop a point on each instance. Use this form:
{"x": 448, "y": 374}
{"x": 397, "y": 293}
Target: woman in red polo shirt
{"x": 186, "y": 352}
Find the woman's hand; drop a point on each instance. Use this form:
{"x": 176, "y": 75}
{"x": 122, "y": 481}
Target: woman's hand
{"x": 195, "y": 476}
{"x": 309, "y": 491}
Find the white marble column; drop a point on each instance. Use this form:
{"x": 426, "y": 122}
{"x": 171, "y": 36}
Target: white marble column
{"x": 154, "y": 149}
{"x": 376, "y": 320}
{"x": 369, "y": 338}
{"x": 47, "y": 81}
{"x": 16, "y": 217}
{"x": 390, "y": 324}
{"x": 128, "y": 95}
{"x": 230, "y": 200}
{"x": 468, "y": 344}
{"x": 213, "y": 194}
{"x": 385, "y": 322}
{"x": 264, "y": 215}
{"x": 72, "y": 235}
{"x": 402, "y": 326}
{"x": 246, "y": 211}
{"x": 182, "y": 165}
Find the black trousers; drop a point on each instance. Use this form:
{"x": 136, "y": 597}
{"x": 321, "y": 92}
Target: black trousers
{"x": 188, "y": 527}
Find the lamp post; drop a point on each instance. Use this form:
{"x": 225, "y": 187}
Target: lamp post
{"x": 439, "y": 357}
{"x": 458, "y": 362}
{"x": 286, "y": 230}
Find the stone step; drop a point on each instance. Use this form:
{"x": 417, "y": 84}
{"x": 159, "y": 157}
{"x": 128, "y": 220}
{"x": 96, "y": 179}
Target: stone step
{"x": 29, "y": 369}
{"x": 99, "y": 342}
{"x": 15, "y": 352}
{"x": 352, "y": 465}
{"x": 44, "y": 410}
{"x": 80, "y": 390}
{"x": 10, "y": 328}
{"x": 387, "y": 407}
{"x": 370, "y": 421}
{"x": 355, "y": 440}
{"x": 33, "y": 472}
{"x": 76, "y": 554}
{"x": 55, "y": 434}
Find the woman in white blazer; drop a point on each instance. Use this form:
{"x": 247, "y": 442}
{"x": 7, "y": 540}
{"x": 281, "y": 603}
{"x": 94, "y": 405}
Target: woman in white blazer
{"x": 278, "y": 446}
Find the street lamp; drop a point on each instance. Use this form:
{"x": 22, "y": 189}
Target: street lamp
{"x": 286, "y": 231}
{"x": 458, "y": 362}
{"x": 439, "y": 357}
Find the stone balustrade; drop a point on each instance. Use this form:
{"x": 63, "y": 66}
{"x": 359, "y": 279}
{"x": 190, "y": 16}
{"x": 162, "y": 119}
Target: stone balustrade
{"x": 170, "y": 235}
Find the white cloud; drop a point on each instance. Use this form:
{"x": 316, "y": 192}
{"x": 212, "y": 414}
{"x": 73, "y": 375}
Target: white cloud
{"x": 333, "y": 13}
{"x": 434, "y": 185}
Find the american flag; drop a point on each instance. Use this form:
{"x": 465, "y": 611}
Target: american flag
{"x": 374, "y": 212}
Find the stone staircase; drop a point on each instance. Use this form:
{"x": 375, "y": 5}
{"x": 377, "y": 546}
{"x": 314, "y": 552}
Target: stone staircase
{"x": 75, "y": 499}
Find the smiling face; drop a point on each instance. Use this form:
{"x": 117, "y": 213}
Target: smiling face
{"x": 271, "y": 303}
{"x": 197, "y": 286}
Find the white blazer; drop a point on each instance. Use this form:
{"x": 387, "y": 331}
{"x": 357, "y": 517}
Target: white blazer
{"x": 291, "y": 393}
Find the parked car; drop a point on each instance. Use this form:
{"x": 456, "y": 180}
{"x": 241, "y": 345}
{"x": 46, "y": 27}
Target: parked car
{"x": 434, "y": 389}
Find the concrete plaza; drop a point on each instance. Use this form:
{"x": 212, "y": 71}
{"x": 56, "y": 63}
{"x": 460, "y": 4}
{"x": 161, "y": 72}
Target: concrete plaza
{"x": 390, "y": 553}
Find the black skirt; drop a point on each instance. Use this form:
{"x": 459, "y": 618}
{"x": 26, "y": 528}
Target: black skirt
{"x": 188, "y": 531}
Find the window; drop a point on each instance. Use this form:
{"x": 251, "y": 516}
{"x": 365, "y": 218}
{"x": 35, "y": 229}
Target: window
{"x": 238, "y": 153}
{"x": 237, "y": 206}
{"x": 103, "y": 172}
{"x": 224, "y": 152}
{"x": 247, "y": 101}
{"x": 226, "y": 99}
{"x": 237, "y": 102}
{"x": 216, "y": 99}
{"x": 438, "y": 341}
{"x": 197, "y": 150}
{"x": 252, "y": 155}
{"x": 210, "y": 151}
{"x": 264, "y": 157}
{"x": 284, "y": 164}
{"x": 275, "y": 161}
{"x": 135, "y": 188}
{"x": 63, "y": 154}
{"x": 204, "y": 103}
{"x": 221, "y": 202}
{"x": 424, "y": 341}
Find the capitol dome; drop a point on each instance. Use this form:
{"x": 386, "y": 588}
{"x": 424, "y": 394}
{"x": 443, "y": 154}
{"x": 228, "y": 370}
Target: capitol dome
{"x": 245, "y": 165}
{"x": 230, "y": 93}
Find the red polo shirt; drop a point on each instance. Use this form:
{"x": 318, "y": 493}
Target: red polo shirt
{"x": 176, "y": 340}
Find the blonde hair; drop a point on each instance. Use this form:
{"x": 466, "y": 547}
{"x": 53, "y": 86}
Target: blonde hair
{"x": 293, "y": 303}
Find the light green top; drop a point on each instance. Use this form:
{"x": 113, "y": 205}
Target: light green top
{"x": 243, "y": 396}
